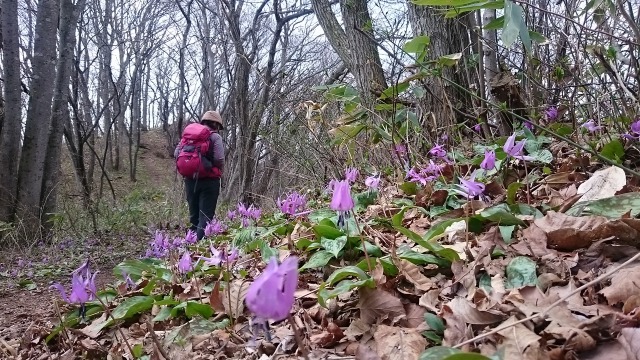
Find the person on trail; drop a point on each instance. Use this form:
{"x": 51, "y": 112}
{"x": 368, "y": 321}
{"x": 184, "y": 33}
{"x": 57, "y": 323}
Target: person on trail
{"x": 200, "y": 160}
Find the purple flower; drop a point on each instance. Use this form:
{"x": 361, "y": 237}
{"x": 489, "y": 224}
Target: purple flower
{"x": 231, "y": 214}
{"x": 214, "y": 227}
{"x": 470, "y": 188}
{"x": 591, "y": 126}
{"x": 372, "y": 182}
{"x": 551, "y": 114}
{"x": 294, "y": 203}
{"x": 127, "y": 279}
{"x": 83, "y": 287}
{"x": 185, "y": 264}
{"x": 177, "y": 242}
{"x": 216, "y": 257}
{"x": 191, "y": 237}
{"x": 489, "y": 161}
{"x": 635, "y": 131}
{"x": 233, "y": 255}
{"x": 438, "y": 151}
{"x": 342, "y": 200}
{"x": 242, "y": 210}
{"x": 419, "y": 176}
{"x": 433, "y": 169}
{"x": 255, "y": 213}
{"x": 400, "y": 149}
{"x": 477, "y": 128}
{"x": 528, "y": 125}
{"x": 272, "y": 294}
{"x": 219, "y": 257}
{"x": 351, "y": 174}
{"x": 515, "y": 149}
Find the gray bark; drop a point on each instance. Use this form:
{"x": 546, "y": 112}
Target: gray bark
{"x": 354, "y": 44}
{"x": 443, "y": 102}
{"x": 12, "y": 124}
{"x": 34, "y": 149}
{"x": 69, "y": 14}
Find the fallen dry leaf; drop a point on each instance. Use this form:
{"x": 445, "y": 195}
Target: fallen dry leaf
{"x": 357, "y": 328}
{"x": 366, "y": 353}
{"x": 456, "y": 330}
{"x": 415, "y": 316}
{"x": 376, "y": 304}
{"x": 413, "y": 274}
{"x": 430, "y": 300}
{"x": 575, "y": 339}
{"x": 603, "y": 184}
{"x": 329, "y": 337}
{"x": 215, "y": 299}
{"x": 395, "y": 343}
{"x": 470, "y": 315}
{"x": 517, "y": 340}
{"x": 533, "y": 243}
{"x": 624, "y": 284}
{"x": 607, "y": 351}
{"x": 233, "y": 297}
{"x": 630, "y": 340}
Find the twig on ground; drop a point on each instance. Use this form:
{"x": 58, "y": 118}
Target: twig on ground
{"x": 64, "y": 328}
{"x": 106, "y": 309}
{"x": 548, "y": 308}
{"x": 296, "y": 333}
{"x": 156, "y": 341}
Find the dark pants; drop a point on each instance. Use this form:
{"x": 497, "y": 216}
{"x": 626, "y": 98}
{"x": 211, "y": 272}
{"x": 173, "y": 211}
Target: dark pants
{"x": 202, "y": 196}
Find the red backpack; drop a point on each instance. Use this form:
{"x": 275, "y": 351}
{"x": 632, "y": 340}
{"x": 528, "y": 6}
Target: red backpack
{"x": 194, "y": 145}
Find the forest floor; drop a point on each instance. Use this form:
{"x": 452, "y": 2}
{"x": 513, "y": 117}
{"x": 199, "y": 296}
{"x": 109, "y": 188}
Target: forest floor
{"x": 26, "y": 275}
{"x": 542, "y": 270}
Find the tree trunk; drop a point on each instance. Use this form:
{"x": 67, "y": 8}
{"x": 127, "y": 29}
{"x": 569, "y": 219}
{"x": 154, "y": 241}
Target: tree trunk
{"x": 12, "y": 124}
{"x": 444, "y": 102}
{"x": 354, "y": 44}
{"x": 34, "y": 149}
{"x": 69, "y": 14}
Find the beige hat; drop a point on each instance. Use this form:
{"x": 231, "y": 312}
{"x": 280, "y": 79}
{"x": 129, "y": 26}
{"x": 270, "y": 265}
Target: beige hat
{"x": 212, "y": 116}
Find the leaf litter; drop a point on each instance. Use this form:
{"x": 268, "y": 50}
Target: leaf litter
{"x": 550, "y": 286}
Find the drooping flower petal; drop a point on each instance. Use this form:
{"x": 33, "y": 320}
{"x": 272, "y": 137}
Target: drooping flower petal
{"x": 591, "y": 126}
{"x": 514, "y": 149}
{"x": 551, "y": 113}
{"x": 342, "y": 200}
{"x": 372, "y": 181}
{"x": 271, "y": 295}
{"x": 635, "y": 127}
{"x": 292, "y": 204}
{"x": 191, "y": 237}
{"x": 214, "y": 227}
{"x": 351, "y": 174}
{"x": 489, "y": 161}
{"x": 438, "y": 151}
{"x": 185, "y": 264}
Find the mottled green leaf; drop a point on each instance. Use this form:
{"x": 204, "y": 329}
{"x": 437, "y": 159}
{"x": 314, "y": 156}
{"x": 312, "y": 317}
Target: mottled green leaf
{"x": 507, "y": 233}
{"x": 334, "y": 246}
{"x": 318, "y": 259}
{"x": 521, "y": 271}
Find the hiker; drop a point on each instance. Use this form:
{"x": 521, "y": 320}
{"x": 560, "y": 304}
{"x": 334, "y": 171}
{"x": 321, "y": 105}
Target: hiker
{"x": 200, "y": 160}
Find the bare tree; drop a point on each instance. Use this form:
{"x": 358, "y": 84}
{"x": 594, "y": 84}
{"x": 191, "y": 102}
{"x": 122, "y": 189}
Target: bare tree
{"x": 69, "y": 13}
{"x": 34, "y": 149}
{"x": 12, "y": 124}
{"x": 354, "y": 44}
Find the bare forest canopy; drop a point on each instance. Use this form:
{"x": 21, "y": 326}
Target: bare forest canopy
{"x": 83, "y": 80}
